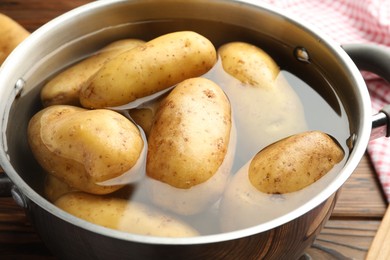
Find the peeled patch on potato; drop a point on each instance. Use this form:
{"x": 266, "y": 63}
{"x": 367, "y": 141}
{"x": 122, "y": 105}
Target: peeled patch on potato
{"x": 65, "y": 87}
{"x": 295, "y": 162}
{"x": 120, "y": 214}
{"x": 11, "y": 35}
{"x": 191, "y": 142}
{"x": 150, "y": 68}
{"x": 84, "y": 147}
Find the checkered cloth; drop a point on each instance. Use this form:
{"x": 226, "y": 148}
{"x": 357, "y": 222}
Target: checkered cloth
{"x": 353, "y": 21}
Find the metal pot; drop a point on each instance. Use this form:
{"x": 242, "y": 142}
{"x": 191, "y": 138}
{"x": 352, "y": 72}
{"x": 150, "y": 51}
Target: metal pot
{"x": 86, "y": 29}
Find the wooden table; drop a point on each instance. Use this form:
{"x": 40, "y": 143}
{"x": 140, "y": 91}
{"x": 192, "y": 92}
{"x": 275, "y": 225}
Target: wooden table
{"x": 348, "y": 233}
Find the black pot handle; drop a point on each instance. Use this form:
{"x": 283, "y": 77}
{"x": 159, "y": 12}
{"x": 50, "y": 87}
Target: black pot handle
{"x": 376, "y": 59}
{"x": 8, "y": 189}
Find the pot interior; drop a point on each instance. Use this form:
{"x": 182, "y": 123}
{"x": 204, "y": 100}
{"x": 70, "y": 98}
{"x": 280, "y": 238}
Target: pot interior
{"x": 317, "y": 70}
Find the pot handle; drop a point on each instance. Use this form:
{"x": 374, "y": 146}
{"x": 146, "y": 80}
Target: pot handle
{"x": 8, "y": 189}
{"x": 376, "y": 59}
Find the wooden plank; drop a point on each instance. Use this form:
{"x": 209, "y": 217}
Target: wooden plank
{"x": 18, "y": 239}
{"x": 379, "y": 249}
{"x": 31, "y": 14}
{"x": 345, "y": 238}
{"x": 361, "y": 196}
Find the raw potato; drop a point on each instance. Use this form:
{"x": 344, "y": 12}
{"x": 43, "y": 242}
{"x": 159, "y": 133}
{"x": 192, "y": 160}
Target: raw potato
{"x": 191, "y": 147}
{"x": 295, "y": 162}
{"x": 147, "y": 69}
{"x": 243, "y": 206}
{"x": 11, "y": 35}
{"x": 55, "y": 188}
{"x": 84, "y": 147}
{"x": 285, "y": 174}
{"x": 249, "y": 64}
{"x": 190, "y": 135}
{"x": 64, "y": 88}
{"x": 144, "y": 115}
{"x": 265, "y": 106}
{"x": 197, "y": 198}
{"x": 119, "y": 214}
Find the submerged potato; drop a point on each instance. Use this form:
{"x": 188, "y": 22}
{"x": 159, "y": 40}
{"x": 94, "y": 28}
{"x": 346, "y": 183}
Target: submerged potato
{"x": 84, "y": 147}
{"x": 147, "y": 69}
{"x": 120, "y": 214}
{"x": 294, "y": 162}
{"x": 249, "y": 64}
{"x": 265, "y": 106}
{"x": 64, "y": 88}
{"x": 197, "y": 198}
{"x": 144, "y": 115}
{"x": 270, "y": 185}
{"x": 191, "y": 144}
{"x": 11, "y": 35}
{"x": 55, "y": 188}
{"x": 243, "y": 206}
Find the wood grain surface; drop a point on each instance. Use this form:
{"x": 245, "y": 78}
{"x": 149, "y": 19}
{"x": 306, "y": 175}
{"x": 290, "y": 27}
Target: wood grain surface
{"x": 347, "y": 235}
{"x": 379, "y": 248}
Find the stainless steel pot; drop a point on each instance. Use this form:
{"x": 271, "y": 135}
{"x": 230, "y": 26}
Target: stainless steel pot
{"x": 85, "y": 29}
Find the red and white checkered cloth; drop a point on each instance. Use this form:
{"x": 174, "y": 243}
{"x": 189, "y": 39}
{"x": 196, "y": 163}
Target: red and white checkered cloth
{"x": 353, "y": 21}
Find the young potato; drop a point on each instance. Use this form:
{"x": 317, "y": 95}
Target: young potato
{"x": 249, "y": 64}
{"x": 278, "y": 179}
{"x": 11, "y": 34}
{"x": 147, "y": 69}
{"x": 55, "y": 188}
{"x": 144, "y": 115}
{"x": 65, "y": 87}
{"x": 295, "y": 162}
{"x": 243, "y": 206}
{"x": 120, "y": 214}
{"x": 84, "y": 147}
{"x": 191, "y": 147}
{"x": 265, "y": 106}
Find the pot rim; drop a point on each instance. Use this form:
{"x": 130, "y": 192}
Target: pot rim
{"x": 361, "y": 141}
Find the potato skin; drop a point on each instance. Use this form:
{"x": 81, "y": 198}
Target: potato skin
{"x": 147, "y": 69}
{"x": 119, "y": 214}
{"x": 83, "y": 147}
{"x": 190, "y": 136}
{"x": 271, "y": 184}
{"x": 144, "y": 115}
{"x": 65, "y": 87}
{"x": 293, "y": 163}
{"x": 55, "y": 188}
{"x": 11, "y": 35}
{"x": 199, "y": 197}
{"x": 249, "y": 64}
